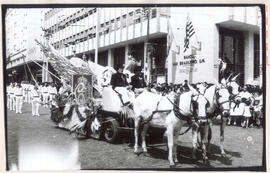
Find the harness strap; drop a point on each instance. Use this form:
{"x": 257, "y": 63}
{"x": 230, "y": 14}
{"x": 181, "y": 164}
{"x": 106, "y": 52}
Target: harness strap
{"x": 177, "y": 112}
{"x": 146, "y": 121}
{"x": 156, "y": 111}
{"x": 186, "y": 130}
{"x": 120, "y": 96}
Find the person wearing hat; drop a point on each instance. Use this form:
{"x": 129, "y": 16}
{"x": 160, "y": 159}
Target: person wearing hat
{"x": 8, "y": 96}
{"x": 137, "y": 81}
{"x": 118, "y": 78}
{"x": 52, "y": 93}
{"x": 18, "y": 91}
{"x": 35, "y": 97}
{"x": 30, "y": 88}
{"x": 120, "y": 85}
{"x": 45, "y": 93}
{"x": 12, "y": 104}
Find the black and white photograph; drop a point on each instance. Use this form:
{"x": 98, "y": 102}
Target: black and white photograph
{"x": 134, "y": 87}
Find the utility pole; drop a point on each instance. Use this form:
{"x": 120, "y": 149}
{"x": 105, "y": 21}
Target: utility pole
{"x": 47, "y": 62}
{"x": 97, "y": 36}
{"x": 147, "y": 11}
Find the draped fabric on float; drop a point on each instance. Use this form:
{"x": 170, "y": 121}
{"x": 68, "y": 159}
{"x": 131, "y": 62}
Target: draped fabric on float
{"x": 51, "y": 69}
{"x": 65, "y": 68}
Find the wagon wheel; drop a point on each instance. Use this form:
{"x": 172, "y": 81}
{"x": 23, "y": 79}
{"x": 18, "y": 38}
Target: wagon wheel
{"x": 111, "y": 131}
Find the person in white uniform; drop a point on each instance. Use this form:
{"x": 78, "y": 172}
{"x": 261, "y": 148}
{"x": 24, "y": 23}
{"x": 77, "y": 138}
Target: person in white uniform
{"x": 8, "y": 95}
{"x": 24, "y": 91}
{"x": 30, "y": 88}
{"x": 45, "y": 92}
{"x": 35, "y": 97}
{"x": 52, "y": 93}
{"x": 18, "y": 91}
{"x": 12, "y": 97}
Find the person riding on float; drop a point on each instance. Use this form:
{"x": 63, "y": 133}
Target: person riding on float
{"x": 120, "y": 85}
{"x": 137, "y": 81}
{"x": 119, "y": 79}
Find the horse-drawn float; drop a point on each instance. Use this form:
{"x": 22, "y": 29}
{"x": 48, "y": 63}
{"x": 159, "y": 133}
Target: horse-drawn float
{"x": 89, "y": 107}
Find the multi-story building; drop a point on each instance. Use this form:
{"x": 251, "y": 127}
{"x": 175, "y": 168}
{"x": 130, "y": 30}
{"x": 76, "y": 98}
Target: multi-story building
{"x": 22, "y": 26}
{"x": 120, "y": 30}
{"x": 229, "y": 33}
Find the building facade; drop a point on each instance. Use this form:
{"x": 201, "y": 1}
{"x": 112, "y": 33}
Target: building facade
{"x": 118, "y": 30}
{"x": 232, "y": 34}
{"x": 22, "y": 27}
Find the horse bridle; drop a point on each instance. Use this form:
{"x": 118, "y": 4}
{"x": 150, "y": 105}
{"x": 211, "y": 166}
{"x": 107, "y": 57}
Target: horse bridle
{"x": 221, "y": 103}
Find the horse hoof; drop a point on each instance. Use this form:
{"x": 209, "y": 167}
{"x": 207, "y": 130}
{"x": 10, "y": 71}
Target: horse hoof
{"x": 136, "y": 153}
{"x": 194, "y": 158}
{"x": 172, "y": 166}
{"x": 223, "y": 155}
{"x": 146, "y": 154}
{"x": 206, "y": 161}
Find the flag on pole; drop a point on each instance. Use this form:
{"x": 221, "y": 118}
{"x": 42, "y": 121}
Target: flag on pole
{"x": 189, "y": 33}
{"x": 171, "y": 42}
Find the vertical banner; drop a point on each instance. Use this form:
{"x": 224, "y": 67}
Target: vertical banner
{"x": 82, "y": 86}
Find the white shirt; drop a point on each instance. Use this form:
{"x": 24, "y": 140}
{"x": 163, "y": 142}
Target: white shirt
{"x": 34, "y": 93}
{"x": 52, "y": 90}
{"x": 18, "y": 91}
{"x": 31, "y": 87}
{"x": 45, "y": 90}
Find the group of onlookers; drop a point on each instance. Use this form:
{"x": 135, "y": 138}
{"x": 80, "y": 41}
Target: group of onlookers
{"x": 251, "y": 99}
{"x": 35, "y": 94}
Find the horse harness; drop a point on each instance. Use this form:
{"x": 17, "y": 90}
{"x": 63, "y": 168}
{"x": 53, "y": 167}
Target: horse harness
{"x": 221, "y": 103}
{"x": 198, "y": 121}
{"x": 146, "y": 121}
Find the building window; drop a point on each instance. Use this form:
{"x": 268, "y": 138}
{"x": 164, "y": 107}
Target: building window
{"x": 256, "y": 56}
{"x": 130, "y": 19}
{"x": 154, "y": 13}
{"x": 117, "y": 23}
{"x": 124, "y": 21}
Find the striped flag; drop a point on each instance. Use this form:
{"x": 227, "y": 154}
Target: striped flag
{"x": 189, "y": 33}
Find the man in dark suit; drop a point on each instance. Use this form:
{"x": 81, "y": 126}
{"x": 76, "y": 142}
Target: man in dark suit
{"x": 120, "y": 85}
{"x": 137, "y": 81}
{"x": 118, "y": 78}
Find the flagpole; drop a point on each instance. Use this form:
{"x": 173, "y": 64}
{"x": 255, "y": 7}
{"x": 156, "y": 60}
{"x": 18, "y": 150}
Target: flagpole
{"x": 190, "y": 65}
{"x": 97, "y": 36}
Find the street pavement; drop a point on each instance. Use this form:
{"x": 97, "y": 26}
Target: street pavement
{"x": 34, "y": 143}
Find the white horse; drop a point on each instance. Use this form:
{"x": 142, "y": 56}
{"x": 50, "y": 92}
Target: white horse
{"x": 154, "y": 109}
{"x": 219, "y": 102}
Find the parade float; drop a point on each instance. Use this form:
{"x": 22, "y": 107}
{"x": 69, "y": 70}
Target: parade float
{"x": 106, "y": 117}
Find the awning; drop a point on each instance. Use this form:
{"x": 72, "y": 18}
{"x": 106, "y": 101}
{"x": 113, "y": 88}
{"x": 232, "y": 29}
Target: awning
{"x": 240, "y": 26}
